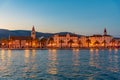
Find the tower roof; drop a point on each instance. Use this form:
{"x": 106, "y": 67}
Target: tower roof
{"x": 105, "y": 30}
{"x": 33, "y": 29}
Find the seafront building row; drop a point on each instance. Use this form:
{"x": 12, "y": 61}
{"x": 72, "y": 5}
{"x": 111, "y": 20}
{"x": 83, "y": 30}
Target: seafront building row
{"x": 64, "y": 41}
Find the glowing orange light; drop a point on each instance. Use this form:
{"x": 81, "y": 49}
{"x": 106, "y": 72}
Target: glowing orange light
{"x": 91, "y": 50}
{"x": 3, "y": 43}
{"x": 9, "y": 43}
{"x": 116, "y": 50}
{"x": 26, "y": 44}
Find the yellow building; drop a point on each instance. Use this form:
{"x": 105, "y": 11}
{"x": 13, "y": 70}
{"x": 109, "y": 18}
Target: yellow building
{"x": 83, "y": 41}
{"x": 64, "y": 41}
{"x": 100, "y": 40}
{"x": 96, "y": 40}
{"x": 73, "y": 41}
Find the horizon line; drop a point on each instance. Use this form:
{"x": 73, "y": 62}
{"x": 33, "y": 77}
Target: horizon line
{"x": 58, "y": 32}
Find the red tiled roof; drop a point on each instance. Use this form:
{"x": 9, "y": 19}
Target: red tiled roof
{"x": 107, "y": 35}
{"x": 64, "y": 35}
{"x": 20, "y": 38}
{"x": 96, "y": 35}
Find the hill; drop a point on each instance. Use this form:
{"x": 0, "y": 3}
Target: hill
{"x": 4, "y": 33}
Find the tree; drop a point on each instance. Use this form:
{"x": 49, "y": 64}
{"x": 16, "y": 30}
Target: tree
{"x": 96, "y": 43}
{"x": 43, "y": 42}
{"x": 51, "y": 41}
{"x": 4, "y": 42}
{"x": 70, "y": 42}
{"x": 61, "y": 42}
{"x": 118, "y": 43}
{"x": 88, "y": 41}
{"x": 104, "y": 43}
{"x": 113, "y": 42}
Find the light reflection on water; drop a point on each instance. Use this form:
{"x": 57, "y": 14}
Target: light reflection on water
{"x": 113, "y": 61}
{"x": 76, "y": 57}
{"x": 52, "y": 57}
{"x": 90, "y": 64}
{"x": 30, "y": 66}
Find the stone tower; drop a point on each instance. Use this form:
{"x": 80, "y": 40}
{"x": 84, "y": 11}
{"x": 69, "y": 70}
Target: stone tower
{"x": 105, "y": 31}
{"x": 33, "y": 33}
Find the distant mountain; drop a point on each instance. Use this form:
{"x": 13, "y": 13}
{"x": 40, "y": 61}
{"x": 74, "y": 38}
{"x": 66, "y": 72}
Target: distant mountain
{"x": 4, "y": 33}
{"x": 63, "y": 33}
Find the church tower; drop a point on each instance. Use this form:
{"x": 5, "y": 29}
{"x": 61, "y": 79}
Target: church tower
{"x": 33, "y": 33}
{"x": 105, "y": 31}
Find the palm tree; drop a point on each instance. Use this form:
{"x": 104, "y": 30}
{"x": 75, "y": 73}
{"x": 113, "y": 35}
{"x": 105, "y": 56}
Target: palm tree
{"x": 43, "y": 42}
{"x": 4, "y": 42}
{"x": 88, "y": 41}
{"x": 96, "y": 43}
{"x": 51, "y": 41}
{"x": 104, "y": 42}
{"x": 61, "y": 42}
{"x": 70, "y": 42}
{"x": 118, "y": 43}
{"x": 113, "y": 42}
{"x": 79, "y": 43}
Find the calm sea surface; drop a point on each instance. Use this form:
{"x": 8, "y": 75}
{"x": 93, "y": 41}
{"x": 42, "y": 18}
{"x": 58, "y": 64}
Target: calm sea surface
{"x": 59, "y": 64}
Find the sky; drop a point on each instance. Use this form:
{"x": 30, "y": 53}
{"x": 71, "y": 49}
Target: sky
{"x": 84, "y": 17}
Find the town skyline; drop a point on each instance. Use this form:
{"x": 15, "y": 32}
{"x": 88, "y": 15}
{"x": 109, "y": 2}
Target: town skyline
{"x": 59, "y": 41}
{"x": 53, "y": 16}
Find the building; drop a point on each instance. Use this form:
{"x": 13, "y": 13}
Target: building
{"x": 83, "y": 41}
{"x": 23, "y": 41}
{"x": 115, "y": 42}
{"x": 73, "y": 41}
{"x": 96, "y": 40}
{"x": 64, "y": 41}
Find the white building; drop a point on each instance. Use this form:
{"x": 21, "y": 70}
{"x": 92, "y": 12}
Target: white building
{"x": 72, "y": 40}
{"x": 66, "y": 40}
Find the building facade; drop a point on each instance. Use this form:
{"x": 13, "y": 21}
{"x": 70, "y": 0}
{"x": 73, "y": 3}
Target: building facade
{"x": 66, "y": 40}
{"x": 73, "y": 41}
{"x": 23, "y": 41}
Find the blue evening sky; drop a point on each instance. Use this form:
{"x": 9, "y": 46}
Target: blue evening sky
{"x": 85, "y": 17}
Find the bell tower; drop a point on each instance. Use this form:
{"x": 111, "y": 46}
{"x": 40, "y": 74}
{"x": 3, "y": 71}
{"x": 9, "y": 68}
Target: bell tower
{"x": 33, "y": 33}
{"x": 105, "y": 31}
